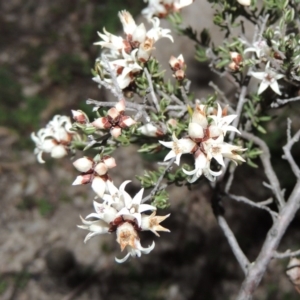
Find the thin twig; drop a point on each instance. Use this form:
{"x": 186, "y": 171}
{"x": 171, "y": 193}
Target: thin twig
{"x": 130, "y": 106}
{"x": 218, "y": 211}
{"x": 243, "y": 199}
{"x": 266, "y": 161}
{"x": 222, "y": 95}
{"x": 288, "y": 155}
{"x": 113, "y": 76}
{"x": 159, "y": 180}
{"x": 284, "y": 101}
{"x": 230, "y": 178}
{"x": 239, "y": 109}
{"x": 239, "y": 254}
{"x": 288, "y": 253}
{"x": 153, "y": 95}
{"x": 185, "y": 97}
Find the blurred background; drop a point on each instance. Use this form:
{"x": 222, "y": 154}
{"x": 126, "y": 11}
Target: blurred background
{"x": 46, "y": 54}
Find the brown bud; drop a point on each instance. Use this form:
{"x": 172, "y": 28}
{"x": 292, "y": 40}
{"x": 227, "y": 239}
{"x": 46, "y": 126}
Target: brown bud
{"x": 293, "y": 272}
{"x": 179, "y": 74}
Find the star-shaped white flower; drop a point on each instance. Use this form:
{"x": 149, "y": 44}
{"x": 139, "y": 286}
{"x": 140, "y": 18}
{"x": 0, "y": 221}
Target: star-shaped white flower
{"x": 132, "y": 206}
{"x": 95, "y": 228}
{"x": 260, "y": 48}
{"x": 179, "y": 147}
{"x": 268, "y": 79}
{"x": 128, "y": 238}
{"x": 54, "y": 138}
{"x": 222, "y": 123}
{"x": 202, "y": 166}
{"x": 218, "y": 149}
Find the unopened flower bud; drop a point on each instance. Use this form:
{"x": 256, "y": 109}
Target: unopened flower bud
{"x": 80, "y": 117}
{"x": 102, "y": 123}
{"x": 150, "y": 130}
{"x": 101, "y": 168}
{"x": 99, "y": 186}
{"x": 59, "y": 151}
{"x": 120, "y": 106}
{"x": 113, "y": 113}
{"x": 126, "y": 121}
{"x": 177, "y": 63}
{"x": 244, "y": 2}
{"x": 116, "y": 132}
{"x": 236, "y": 57}
{"x": 179, "y": 74}
{"x": 109, "y": 161}
{"x": 172, "y": 122}
{"x": 83, "y": 179}
{"x": 83, "y": 164}
{"x": 233, "y": 66}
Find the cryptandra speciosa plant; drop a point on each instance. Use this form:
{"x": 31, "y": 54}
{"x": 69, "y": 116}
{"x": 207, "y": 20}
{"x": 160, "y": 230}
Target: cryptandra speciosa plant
{"x": 159, "y": 115}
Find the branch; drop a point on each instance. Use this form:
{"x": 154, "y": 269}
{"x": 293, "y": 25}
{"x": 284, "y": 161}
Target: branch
{"x": 239, "y": 108}
{"x": 222, "y": 95}
{"x": 274, "y": 236}
{"x": 286, "y": 254}
{"x": 117, "y": 91}
{"x": 153, "y": 96}
{"x": 130, "y": 106}
{"x": 266, "y": 161}
{"x": 235, "y": 247}
{"x": 279, "y": 102}
{"x": 287, "y": 150}
{"x": 232, "y": 241}
{"x": 159, "y": 180}
{"x": 262, "y": 205}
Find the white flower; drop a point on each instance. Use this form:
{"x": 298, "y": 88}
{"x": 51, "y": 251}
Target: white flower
{"x": 122, "y": 214}
{"x": 152, "y": 223}
{"x": 268, "y": 79}
{"x": 127, "y": 238}
{"x": 152, "y": 130}
{"x": 244, "y": 2}
{"x": 95, "y": 228}
{"x": 260, "y": 48}
{"x": 132, "y": 206}
{"x": 179, "y": 147}
{"x": 103, "y": 212}
{"x": 217, "y": 149}
{"x": 222, "y": 122}
{"x": 162, "y": 8}
{"x": 54, "y": 138}
{"x": 110, "y": 41}
{"x": 126, "y": 54}
{"x": 156, "y": 33}
{"x": 94, "y": 172}
{"x": 202, "y": 166}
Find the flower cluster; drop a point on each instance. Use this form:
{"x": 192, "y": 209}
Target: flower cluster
{"x": 269, "y": 56}
{"x": 126, "y": 216}
{"x": 55, "y": 138}
{"x": 94, "y": 171}
{"x": 120, "y": 69}
{"x": 115, "y": 120}
{"x": 205, "y": 141}
{"x": 126, "y": 55}
{"x": 161, "y": 8}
